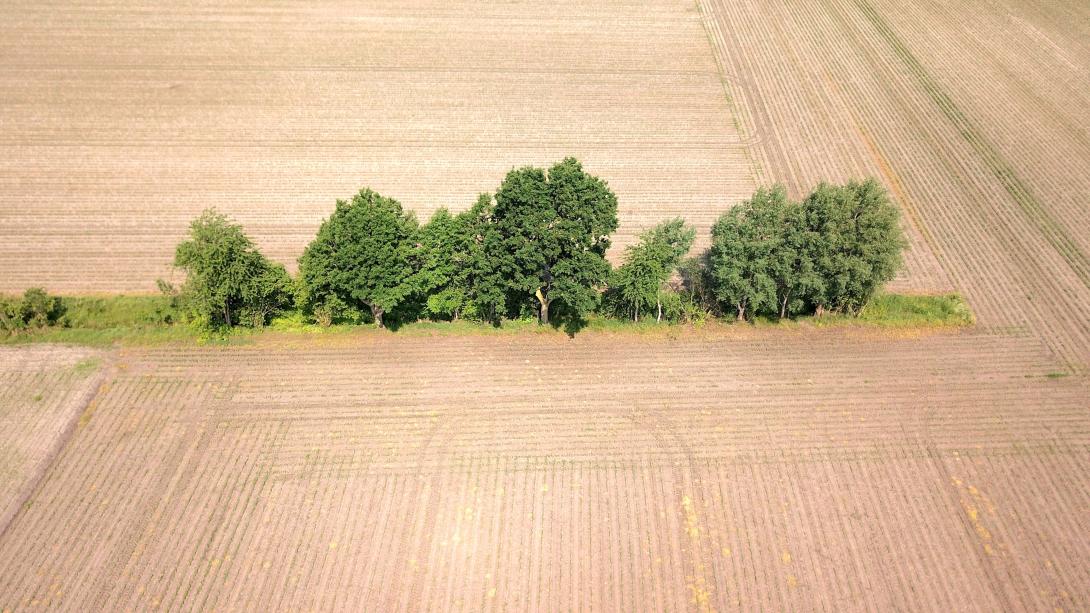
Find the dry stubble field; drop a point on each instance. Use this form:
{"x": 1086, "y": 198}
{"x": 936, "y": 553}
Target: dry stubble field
{"x": 740, "y": 469}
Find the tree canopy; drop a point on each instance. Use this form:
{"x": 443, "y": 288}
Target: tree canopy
{"x": 856, "y": 241}
{"x": 362, "y": 258}
{"x": 227, "y": 279}
{"x": 637, "y": 285}
{"x": 553, "y": 233}
{"x": 832, "y": 251}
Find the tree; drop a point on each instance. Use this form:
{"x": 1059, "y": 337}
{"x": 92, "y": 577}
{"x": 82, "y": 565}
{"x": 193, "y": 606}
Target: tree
{"x": 554, "y": 232}
{"x": 266, "y": 293}
{"x": 790, "y": 257}
{"x": 363, "y": 255}
{"x": 226, "y": 274}
{"x": 638, "y": 283}
{"x": 39, "y": 310}
{"x": 740, "y": 260}
{"x": 855, "y": 241}
{"x": 481, "y": 272}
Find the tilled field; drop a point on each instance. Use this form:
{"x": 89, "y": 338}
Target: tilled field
{"x": 975, "y": 114}
{"x": 121, "y": 122}
{"x": 43, "y": 391}
{"x": 828, "y": 470}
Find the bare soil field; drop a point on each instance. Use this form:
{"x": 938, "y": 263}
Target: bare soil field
{"x": 975, "y": 114}
{"x": 753, "y": 468}
{"x": 43, "y": 391}
{"x": 121, "y": 122}
{"x": 780, "y": 470}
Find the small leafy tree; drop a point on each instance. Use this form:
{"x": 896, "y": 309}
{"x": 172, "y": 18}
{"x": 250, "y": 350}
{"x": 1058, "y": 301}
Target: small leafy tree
{"x": 39, "y": 310}
{"x": 744, "y": 243}
{"x": 227, "y": 278}
{"x": 554, "y": 230}
{"x": 855, "y": 243}
{"x": 481, "y": 276}
{"x": 362, "y": 257}
{"x": 267, "y": 293}
{"x": 639, "y": 283}
{"x": 11, "y": 319}
{"x": 441, "y": 253}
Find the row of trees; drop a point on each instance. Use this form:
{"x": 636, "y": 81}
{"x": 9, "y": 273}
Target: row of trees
{"x": 537, "y": 248}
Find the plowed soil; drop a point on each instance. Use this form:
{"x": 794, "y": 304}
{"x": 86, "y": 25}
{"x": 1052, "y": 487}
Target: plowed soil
{"x": 726, "y": 468}
{"x": 749, "y": 470}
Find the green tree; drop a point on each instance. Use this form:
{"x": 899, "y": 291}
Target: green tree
{"x": 855, "y": 243}
{"x": 39, "y": 310}
{"x": 480, "y": 274}
{"x": 226, "y": 274}
{"x": 745, "y": 241}
{"x": 638, "y": 284}
{"x": 443, "y": 250}
{"x": 266, "y": 293}
{"x": 554, "y": 230}
{"x": 362, "y": 256}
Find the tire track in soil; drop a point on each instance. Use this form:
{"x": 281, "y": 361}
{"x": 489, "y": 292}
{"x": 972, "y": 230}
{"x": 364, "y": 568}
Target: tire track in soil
{"x": 84, "y": 408}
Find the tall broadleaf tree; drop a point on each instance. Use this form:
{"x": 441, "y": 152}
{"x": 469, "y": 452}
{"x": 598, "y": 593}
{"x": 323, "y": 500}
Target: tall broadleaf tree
{"x": 855, "y": 241}
{"x": 226, "y": 276}
{"x": 745, "y": 241}
{"x": 362, "y": 257}
{"x": 554, "y": 230}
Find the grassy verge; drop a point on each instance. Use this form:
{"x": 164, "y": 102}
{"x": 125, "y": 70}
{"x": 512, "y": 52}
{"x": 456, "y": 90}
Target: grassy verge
{"x": 151, "y": 320}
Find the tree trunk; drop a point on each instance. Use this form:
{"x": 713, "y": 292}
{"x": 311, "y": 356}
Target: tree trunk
{"x": 227, "y": 315}
{"x": 543, "y": 314}
{"x": 741, "y": 312}
{"x": 659, "y": 304}
{"x": 377, "y": 313}
{"x": 783, "y": 305}
{"x": 819, "y": 311}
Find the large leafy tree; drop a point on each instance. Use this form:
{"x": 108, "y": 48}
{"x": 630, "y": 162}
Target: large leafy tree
{"x": 362, "y": 257}
{"x": 554, "y": 232}
{"x": 638, "y": 284}
{"x": 855, "y": 242}
{"x": 481, "y": 274}
{"x": 442, "y": 249}
{"x": 458, "y": 264}
{"x": 745, "y": 241}
{"x": 226, "y": 276}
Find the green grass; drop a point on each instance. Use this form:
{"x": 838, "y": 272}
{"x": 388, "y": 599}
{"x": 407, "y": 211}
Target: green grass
{"x": 928, "y": 311}
{"x": 151, "y": 320}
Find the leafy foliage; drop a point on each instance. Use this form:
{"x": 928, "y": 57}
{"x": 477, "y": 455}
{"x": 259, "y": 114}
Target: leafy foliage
{"x": 638, "y": 285}
{"x": 554, "y": 232}
{"x": 855, "y": 243}
{"x": 228, "y": 281}
{"x": 362, "y": 257}
{"x": 831, "y": 252}
{"x": 37, "y": 309}
{"x": 745, "y": 242}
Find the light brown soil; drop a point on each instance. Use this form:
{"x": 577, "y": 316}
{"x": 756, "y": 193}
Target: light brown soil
{"x": 121, "y": 123}
{"x": 43, "y": 391}
{"x": 831, "y": 470}
{"x": 737, "y": 469}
